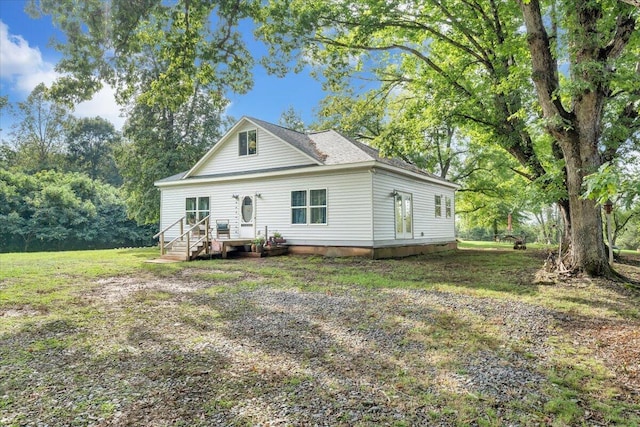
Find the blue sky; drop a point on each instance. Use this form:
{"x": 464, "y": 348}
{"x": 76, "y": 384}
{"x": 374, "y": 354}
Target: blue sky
{"x": 26, "y": 60}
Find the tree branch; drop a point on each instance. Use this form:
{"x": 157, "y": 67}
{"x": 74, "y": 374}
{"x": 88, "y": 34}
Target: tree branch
{"x": 545, "y": 67}
{"x": 411, "y": 50}
{"x": 625, "y": 25}
{"x": 523, "y": 174}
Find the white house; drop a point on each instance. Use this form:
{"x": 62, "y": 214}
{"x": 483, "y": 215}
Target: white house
{"x": 325, "y": 193}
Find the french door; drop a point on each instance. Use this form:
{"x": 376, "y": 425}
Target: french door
{"x": 404, "y": 215}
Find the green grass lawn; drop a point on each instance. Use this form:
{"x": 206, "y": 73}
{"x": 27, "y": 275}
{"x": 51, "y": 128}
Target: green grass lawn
{"x": 457, "y": 338}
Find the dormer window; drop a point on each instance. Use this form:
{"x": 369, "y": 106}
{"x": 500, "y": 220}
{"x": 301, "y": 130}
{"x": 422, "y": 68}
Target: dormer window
{"x": 247, "y": 143}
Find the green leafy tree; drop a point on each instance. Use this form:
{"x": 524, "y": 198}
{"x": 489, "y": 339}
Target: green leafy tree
{"x": 39, "y": 135}
{"x": 291, "y": 119}
{"x": 477, "y": 59}
{"x": 160, "y": 143}
{"x": 4, "y": 103}
{"x": 619, "y": 184}
{"x": 401, "y": 124}
{"x": 361, "y": 116}
{"x": 197, "y": 41}
{"x": 52, "y": 210}
{"x": 171, "y": 64}
{"x": 90, "y": 148}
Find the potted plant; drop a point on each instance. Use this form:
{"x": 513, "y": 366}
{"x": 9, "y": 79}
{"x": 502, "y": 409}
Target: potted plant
{"x": 277, "y": 238}
{"x": 258, "y": 244}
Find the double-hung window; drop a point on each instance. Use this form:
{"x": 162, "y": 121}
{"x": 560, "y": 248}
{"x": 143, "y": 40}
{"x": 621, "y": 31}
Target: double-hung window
{"x": 247, "y": 143}
{"x": 438, "y": 206}
{"x": 309, "y": 206}
{"x": 299, "y": 207}
{"x": 196, "y": 209}
{"x": 447, "y": 206}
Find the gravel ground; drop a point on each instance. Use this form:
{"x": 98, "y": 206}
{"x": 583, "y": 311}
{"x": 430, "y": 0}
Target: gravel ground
{"x": 178, "y": 352}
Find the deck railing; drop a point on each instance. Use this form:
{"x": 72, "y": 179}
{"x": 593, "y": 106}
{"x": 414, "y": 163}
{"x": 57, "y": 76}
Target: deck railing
{"x": 187, "y": 235}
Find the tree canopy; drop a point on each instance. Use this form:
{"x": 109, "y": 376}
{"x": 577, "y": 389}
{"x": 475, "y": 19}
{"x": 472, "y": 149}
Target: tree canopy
{"x": 91, "y": 143}
{"x": 553, "y": 83}
{"x": 197, "y": 41}
{"x": 39, "y": 135}
{"x": 55, "y": 210}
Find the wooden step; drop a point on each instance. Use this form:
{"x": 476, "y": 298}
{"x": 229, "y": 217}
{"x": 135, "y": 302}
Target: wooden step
{"x": 175, "y": 256}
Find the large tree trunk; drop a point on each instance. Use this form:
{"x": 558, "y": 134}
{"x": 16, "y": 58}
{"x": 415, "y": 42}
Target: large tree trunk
{"x": 587, "y": 252}
{"x": 577, "y": 130}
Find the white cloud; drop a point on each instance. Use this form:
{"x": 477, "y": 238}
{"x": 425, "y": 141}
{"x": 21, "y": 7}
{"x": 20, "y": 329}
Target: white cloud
{"x": 22, "y": 68}
{"x": 16, "y": 56}
{"x": 26, "y": 82}
{"x": 102, "y": 104}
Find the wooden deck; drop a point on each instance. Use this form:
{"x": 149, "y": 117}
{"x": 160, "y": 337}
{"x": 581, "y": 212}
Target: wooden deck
{"x": 231, "y": 243}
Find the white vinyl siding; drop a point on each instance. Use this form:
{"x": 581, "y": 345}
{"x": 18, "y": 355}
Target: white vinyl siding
{"x": 271, "y": 153}
{"x": 426, "y": 227}
{"x": 348, "y": 206}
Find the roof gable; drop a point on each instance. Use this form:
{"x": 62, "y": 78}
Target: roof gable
{"x": 289, "y": 150}
{"x": 294, "y": 147}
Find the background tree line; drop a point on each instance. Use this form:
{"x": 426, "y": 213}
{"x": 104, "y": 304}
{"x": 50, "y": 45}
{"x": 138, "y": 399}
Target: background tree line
{"x": 61, "y": 181}
{"x": 528, "y": 104}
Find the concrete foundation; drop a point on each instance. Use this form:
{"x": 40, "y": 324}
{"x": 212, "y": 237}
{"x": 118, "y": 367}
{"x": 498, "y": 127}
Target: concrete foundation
{"x": 374, "y": 253}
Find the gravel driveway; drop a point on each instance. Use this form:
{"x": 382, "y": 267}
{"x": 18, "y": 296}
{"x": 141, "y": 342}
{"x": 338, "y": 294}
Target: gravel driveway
{"x": 187, "y": 351}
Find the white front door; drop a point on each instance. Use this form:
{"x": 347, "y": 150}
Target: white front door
{"x": 247, "y": 217}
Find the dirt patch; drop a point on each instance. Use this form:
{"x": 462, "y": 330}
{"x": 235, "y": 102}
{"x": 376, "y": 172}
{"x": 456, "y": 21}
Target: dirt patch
{"x": 20, "y": 312}
{"x": 616, "y": 344}
{"x": 619, "y": 346}
{"x": 116, "y": 289}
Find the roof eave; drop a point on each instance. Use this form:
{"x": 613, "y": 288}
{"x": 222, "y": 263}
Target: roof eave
{"x": 249, "y": 175}
{"x": 369, "y": 164}
{"x": 406, "y": 172}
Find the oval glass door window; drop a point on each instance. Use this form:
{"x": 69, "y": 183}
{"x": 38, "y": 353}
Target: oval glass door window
{"x": 247, "y": 209}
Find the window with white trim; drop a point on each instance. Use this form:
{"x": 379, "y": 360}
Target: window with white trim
{"x": 438, "y": 206}
{"x": 309, "y": 207}
{"x": 318, "y": 206}
{"x": 447, "y": 206}
{"x": 403, "y": 215}
{"x": 196, "y": 209}
{"x": 248, "y": 143}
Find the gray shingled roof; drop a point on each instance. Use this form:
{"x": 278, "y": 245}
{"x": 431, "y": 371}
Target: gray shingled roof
{"x": 326, "y": 147}
{"x": 398, "y": 163}
{"x": 332, "y": 148}
{"x": 176, "y": 177}
{"x": 337, "y": 149}
{"x": 299, "y": 140}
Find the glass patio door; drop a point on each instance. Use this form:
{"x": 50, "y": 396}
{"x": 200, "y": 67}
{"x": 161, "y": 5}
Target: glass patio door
{"x": 404, "y": 216}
